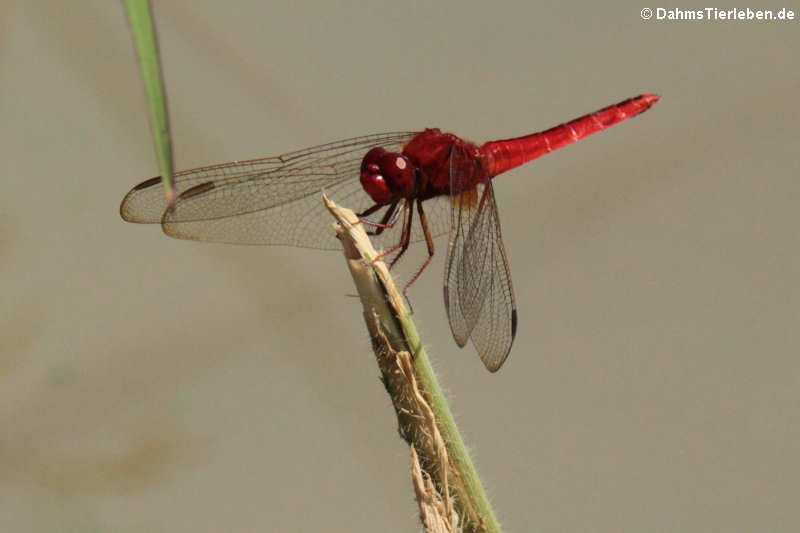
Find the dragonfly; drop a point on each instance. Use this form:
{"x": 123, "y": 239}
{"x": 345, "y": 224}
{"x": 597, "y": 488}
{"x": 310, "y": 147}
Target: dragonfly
{"x": 385, "y": 178}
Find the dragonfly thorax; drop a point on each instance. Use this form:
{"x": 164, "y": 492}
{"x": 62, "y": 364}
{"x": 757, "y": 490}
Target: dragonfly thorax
{"x": 387, "y": 176}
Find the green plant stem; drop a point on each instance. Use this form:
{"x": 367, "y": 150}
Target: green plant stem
{"x": 144, "y": 35}
{"x": 381, "y": 300}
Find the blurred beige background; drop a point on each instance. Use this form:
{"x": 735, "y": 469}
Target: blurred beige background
{"x": 150, "y": 384}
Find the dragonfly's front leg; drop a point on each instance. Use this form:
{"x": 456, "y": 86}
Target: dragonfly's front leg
{"x": 405, "y": 237}
{"x": 388, "y": 221}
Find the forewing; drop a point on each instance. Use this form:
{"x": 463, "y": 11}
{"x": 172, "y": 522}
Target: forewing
{"x": 265, "y": 201}
{"x": 478, "y": 293}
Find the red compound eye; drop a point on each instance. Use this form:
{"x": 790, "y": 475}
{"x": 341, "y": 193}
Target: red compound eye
{"x": 371, "y": 178}
{"x": 387, "y": 176}
{"x": 371, "y": 160}
{"x": 399, "y": 174}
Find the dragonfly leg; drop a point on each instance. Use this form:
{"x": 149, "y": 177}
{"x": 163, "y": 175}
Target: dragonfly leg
{"x": 367, "y": 212}
{"x": 388, "y": 221}
{"x": 423, "y": 220}
{"x": 405, "y": 237}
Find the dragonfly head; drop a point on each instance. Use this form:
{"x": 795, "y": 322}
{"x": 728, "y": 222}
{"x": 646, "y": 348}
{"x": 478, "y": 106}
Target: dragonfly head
{"x": 387, "y": 176}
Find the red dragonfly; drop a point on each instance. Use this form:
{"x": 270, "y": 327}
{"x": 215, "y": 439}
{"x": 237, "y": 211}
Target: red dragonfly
{"x": 275, "y": 201}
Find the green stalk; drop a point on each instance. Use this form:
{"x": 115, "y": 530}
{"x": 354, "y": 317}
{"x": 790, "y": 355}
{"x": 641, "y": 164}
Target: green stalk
{"x": 388, "y": 320}
{"x": 144, "y": 35}
{"x": 447, "y": 427}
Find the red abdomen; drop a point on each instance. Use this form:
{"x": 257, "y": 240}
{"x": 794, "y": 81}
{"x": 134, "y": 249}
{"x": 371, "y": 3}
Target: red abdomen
{"x": 510, "y": 153}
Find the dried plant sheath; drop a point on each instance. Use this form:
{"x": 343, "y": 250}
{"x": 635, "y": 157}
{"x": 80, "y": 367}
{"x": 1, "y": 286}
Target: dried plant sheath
{"x": 424, "y": 417}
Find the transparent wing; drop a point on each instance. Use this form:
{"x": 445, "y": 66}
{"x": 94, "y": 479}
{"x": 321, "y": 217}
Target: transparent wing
{"x": 264, "y": 201}
{"x": 477, "y": 282}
